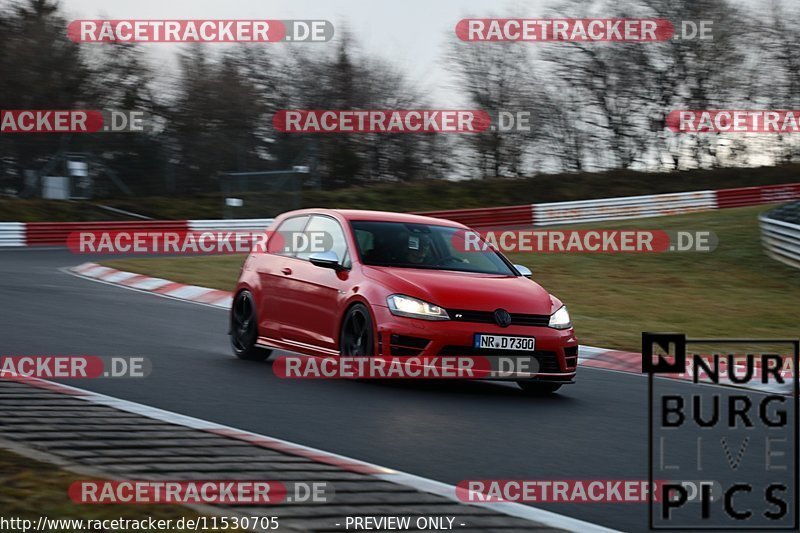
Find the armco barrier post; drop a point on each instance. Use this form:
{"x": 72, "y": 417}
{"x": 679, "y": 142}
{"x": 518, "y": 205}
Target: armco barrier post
{"x": 781, "y": 240}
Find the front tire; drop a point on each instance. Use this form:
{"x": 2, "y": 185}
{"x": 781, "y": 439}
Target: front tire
{"x": 244, "y": 328}
{"x": 537, "y": 388}
{"x": 357, "y": 337}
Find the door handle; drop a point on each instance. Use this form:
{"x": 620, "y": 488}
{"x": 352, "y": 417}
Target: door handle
{"x": 286, "y": 270}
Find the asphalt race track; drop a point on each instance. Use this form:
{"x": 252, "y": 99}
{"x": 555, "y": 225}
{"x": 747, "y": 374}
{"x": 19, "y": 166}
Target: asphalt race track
{"x": 596, "y": 429}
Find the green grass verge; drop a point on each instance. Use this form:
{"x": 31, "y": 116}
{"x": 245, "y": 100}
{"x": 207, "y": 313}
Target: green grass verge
{"x": 734, "y": 291}
{"x": 30, "y": 489}
{"x": 38, "y": 210}
{"x": 217, "y": 271}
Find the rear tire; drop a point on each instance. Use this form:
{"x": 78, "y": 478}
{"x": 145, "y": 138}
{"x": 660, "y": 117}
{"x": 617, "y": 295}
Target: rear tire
{"x": 244, "y": 328}
{"x": 537, "y": 388}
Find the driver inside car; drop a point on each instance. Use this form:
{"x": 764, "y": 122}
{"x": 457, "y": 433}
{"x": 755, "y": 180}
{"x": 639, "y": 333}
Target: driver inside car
{"x": 419, "y": 250}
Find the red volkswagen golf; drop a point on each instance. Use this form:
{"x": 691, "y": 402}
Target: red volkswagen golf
{"x": 389, "y": 284}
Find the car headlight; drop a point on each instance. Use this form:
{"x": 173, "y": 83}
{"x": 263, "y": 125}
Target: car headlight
{"x": 401, "y": 305}
{"x": 560, "y": 319}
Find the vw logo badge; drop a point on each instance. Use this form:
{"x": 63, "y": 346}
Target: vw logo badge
{"x": 502, "y": 317}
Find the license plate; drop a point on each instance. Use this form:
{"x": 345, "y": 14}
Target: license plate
{"x": 504, "y": 342}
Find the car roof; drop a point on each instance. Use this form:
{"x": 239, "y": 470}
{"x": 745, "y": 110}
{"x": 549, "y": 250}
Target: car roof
{"x": 377, "y": 216}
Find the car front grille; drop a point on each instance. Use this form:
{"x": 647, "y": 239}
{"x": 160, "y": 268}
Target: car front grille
{"x": 487, "y": 317}
{"x": 547, "y": 361}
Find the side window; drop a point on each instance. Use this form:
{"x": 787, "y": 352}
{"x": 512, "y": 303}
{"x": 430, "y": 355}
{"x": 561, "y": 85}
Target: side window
{"x": 325, "y": 229}
{"x": 287, "y": 229}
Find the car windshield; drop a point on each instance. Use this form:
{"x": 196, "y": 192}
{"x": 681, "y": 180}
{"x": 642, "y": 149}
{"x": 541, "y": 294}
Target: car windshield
{"x": 397, "y": 244}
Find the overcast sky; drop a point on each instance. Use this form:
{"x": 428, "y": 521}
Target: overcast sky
{"x": 411, "y": 34}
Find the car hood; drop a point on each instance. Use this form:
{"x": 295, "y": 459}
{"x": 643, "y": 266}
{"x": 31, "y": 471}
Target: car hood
{"x": 466, "y": 290}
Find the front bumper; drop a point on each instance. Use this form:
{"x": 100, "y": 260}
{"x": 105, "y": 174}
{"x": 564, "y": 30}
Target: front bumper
{"x": 555, "y": 359}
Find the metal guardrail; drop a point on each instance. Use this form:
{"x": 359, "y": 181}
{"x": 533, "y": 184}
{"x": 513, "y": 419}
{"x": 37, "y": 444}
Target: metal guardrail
{"x": 515, "y": 215}
{"x": 56, "y": 233}
{"x": 230, "y": 224}
{"x": 12, "y": 234}
{"x": 652, "y": 205}
{"x": 765, "y": 194}
{"x": 781, "y": 240}
{"x": 627, "y": 207}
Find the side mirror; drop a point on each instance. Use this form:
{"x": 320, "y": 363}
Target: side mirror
{"x": 523, "y": 270}
{"x": 325, "y": 260}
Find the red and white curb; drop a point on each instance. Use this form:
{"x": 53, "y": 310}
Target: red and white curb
{"x": 631, "y": 362}
{"x": 162, "y": 287}
{"x": 588, "y": 356}
{"x": 517, "y": 510}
